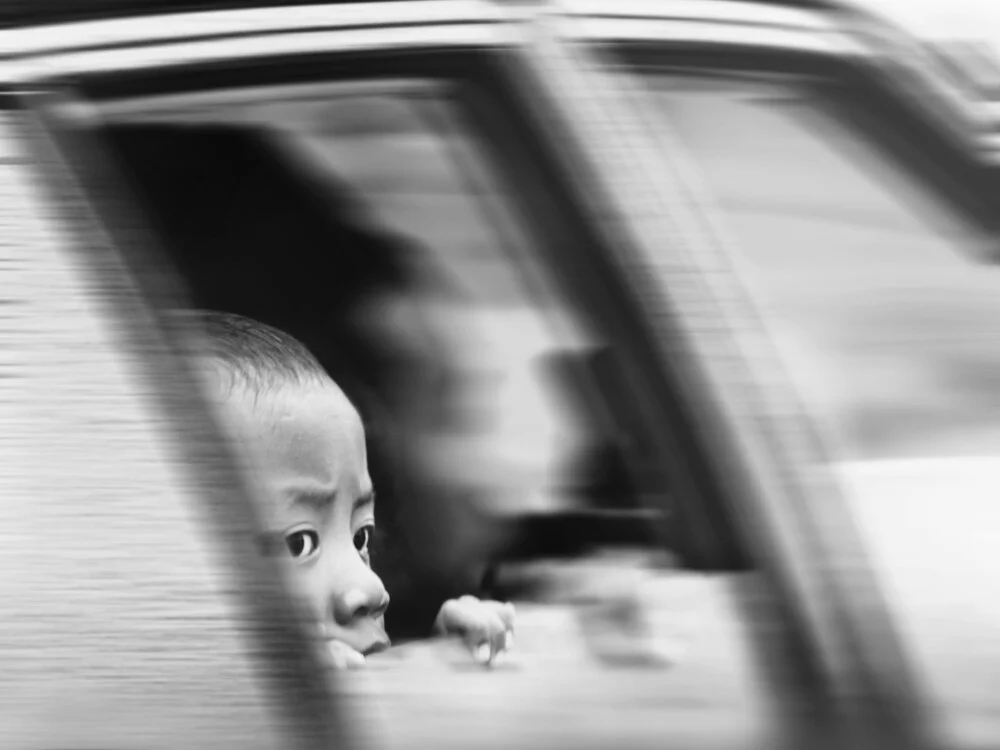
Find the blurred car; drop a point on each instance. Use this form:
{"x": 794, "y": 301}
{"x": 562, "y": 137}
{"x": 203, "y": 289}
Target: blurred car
{"x": 575, "y": 250}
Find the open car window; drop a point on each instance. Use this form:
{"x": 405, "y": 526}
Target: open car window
{"x": 885, "y": 311}
{"x": 416, "y": 287}
{"x": 408, "y": 245}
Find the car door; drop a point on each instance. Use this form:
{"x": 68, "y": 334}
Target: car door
{"x": 855, "y": 183}
{"x": 134, "y": 613}
{"x": 548, "y": 156}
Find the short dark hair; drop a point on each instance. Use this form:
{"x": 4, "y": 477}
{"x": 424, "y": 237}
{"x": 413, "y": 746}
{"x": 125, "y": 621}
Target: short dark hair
{"x": 255, "y": 355}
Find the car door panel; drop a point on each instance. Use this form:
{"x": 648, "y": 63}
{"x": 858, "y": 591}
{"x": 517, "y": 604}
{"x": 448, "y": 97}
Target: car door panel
{"x": 126, "y": 619}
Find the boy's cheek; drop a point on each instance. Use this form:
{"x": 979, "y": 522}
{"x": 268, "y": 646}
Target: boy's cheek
{"x": 307, "y": 597}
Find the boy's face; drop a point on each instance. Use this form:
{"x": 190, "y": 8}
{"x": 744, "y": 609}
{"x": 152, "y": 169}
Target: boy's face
{"x": 308, "y": 449}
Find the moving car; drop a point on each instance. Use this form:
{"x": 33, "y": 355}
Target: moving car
{"x": 669, "y": 227}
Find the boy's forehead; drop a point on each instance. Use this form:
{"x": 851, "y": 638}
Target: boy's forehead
{"x": 309, "y": 436}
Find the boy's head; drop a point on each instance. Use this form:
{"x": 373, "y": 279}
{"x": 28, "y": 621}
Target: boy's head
{"x": 307, "y": 447}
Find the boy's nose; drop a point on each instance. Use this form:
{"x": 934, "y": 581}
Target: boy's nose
{"x": 365, "y": 600}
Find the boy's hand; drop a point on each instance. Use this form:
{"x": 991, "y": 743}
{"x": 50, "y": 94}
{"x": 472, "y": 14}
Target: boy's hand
{"x": 486, "y": 627}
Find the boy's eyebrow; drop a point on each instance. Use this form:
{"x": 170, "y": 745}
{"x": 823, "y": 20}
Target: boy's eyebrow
{"x": 319, "y": 498}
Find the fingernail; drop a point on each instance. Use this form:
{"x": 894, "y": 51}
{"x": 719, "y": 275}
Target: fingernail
{"x": 483, "y": 653}
{"x": 499, "y": 659}
{"x": 508, "y": 640}
{"x": 356, "y": 660}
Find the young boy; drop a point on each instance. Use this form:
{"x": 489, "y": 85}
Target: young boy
{"x": 306, "y": 445}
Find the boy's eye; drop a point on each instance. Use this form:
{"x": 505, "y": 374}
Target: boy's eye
{"x": 302, "y": 543}
{"x": 362, "y": 538}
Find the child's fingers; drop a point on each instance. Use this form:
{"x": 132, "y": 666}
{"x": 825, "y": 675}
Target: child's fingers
{"x": 486, "y": 627}
{"x": 505, "y": 611}
{"x": 489, "y": 643}
{"x": 474, "y": 626}
{"x": 479, "y": 626}
{"x": 486, "y": 635}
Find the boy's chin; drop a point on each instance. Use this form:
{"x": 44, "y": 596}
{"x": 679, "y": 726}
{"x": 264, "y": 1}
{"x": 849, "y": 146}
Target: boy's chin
{"x": 363, "y": 638}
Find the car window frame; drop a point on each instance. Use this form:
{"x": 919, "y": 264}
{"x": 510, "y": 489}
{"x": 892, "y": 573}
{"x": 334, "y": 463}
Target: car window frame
{"x": 604, "y": 275}
{"x": 359, "y": 71}
{"x": 315, "y": 65}
{"x": 856, "y": 91}
{"x": 71, "y": 171}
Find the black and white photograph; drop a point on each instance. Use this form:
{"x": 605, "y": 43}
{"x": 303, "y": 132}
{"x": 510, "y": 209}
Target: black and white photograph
{"x": 529, "y": 374}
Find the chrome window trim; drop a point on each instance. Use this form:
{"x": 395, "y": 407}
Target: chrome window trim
{"x": 63, "y": 37}
{"x": 714, "y": 32}
{"x": 48, "y": 52}
{"x": 34, "y": 70}
{"x": 726, "y": 22}
{"x": 729, "y": 11}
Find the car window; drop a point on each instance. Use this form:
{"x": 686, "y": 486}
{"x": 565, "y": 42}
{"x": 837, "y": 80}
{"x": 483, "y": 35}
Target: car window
{"x": 473, "y": 318}
{"x": 506, "y": 398}
{"x": 885, "y": 311}
{"x": 123, "y": 618}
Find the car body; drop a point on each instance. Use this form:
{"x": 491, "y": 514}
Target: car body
{"x": 110, "y": 443}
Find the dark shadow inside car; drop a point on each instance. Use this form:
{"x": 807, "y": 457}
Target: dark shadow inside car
{"x": 249, "y": 233}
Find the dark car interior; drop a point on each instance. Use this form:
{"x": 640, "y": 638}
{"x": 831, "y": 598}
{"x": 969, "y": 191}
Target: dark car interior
{"x": 248, "y": 233}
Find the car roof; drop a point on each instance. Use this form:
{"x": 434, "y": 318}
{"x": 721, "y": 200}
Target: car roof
{"x": 18, "y": 13}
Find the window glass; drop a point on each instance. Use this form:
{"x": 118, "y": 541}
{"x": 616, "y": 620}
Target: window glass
{"x": 889, "y": 321}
